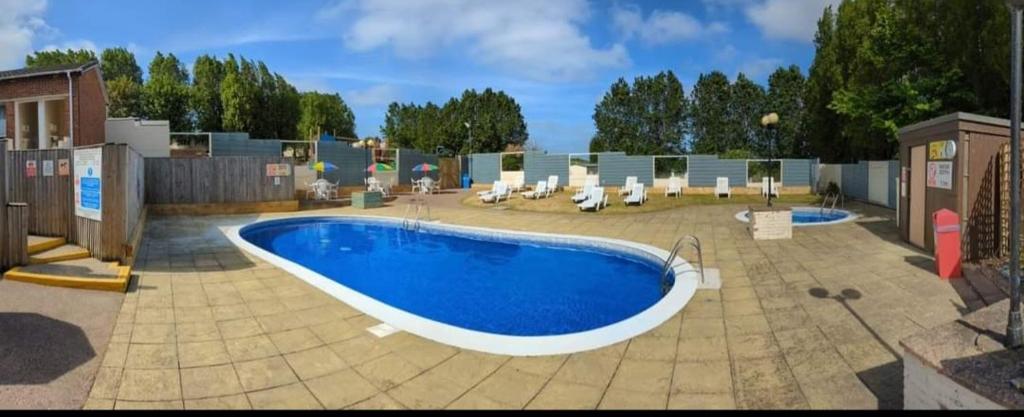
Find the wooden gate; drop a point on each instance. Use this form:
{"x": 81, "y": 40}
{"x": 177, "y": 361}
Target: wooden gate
{"x": 450, "y": 171}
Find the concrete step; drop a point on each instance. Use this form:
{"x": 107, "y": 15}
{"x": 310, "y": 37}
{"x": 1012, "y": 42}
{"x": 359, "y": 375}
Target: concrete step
{"x": 38, "y": 244}
{"x": 66, "y": 252}
{"x": 85, "y": 273}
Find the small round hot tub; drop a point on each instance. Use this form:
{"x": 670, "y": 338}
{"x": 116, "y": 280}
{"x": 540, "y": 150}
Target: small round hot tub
{"x": 810, "y": 216}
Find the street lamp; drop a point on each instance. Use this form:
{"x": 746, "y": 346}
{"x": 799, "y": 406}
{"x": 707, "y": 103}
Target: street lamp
{"x": 469, "y": 127}
{"x": 1014, "y": 332}
{"x": 770, "y": 121}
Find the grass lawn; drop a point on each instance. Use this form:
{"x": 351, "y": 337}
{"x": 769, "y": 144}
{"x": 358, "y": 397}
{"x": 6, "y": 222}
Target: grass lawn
{"x": 560, "y": 203}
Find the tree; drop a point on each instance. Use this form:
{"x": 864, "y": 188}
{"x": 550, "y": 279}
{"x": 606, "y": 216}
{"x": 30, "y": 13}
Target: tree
{"x": 58, "y": 57}
{"x": 785, "y": 97}
{"x": 649, "y": 117}
{"x": 205, "y": 94}
{"x": 321, "y": 112}
{"x": 821, "y": 124}
{"x": 286, "y": 103}
{"x": 125, "y": 98}
{"x": 711, "y": 98}
{"x": 238, "y": 98}
{"x": 166, "y": 93}
{"x": 120, "y": 62}
{"x": 746, "y": 106}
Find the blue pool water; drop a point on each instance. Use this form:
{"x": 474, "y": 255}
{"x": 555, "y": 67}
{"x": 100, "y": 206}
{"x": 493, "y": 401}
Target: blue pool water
{"x": 805, "y": 217}
{"x": 494, "y": 285}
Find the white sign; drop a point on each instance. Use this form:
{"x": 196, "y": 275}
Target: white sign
{"x": 89, "y": 183}
{"x": 940, "y": 174}
{"x": 48, "y": 168}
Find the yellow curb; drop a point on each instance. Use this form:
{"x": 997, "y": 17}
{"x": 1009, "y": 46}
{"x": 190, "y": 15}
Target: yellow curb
{"x": 36, "y": 260}
{"x": 46, "y": 245}
{"x": 119, "y": 284}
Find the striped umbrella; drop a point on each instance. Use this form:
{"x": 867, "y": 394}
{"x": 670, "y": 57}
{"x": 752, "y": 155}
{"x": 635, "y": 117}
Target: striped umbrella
{"x": 379, "y": 167}
{"x": 424, "y": 167}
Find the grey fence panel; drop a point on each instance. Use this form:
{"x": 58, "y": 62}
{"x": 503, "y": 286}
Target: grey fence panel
{"x": 797, "y": 172}
{"x": 855, "y": 180}
{"x": 239, "y": 144}
{"x": 485, "y": 168}
{"x": 409, "y": 158}
{"x": 215, "y": 180}
{"x": 50, "y": 198}
{"x": 539, "y": 166}
{"x": 614, "y": 169}
{"x": 704, "y": 170}
{"x": 351, "y": 162}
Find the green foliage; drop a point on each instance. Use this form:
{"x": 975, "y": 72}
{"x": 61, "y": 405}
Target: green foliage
{"x": 168, "y": 66}
{"x": 747, "y": 104}
{"x": 737, "y": 154}
{"x": 713, "y": 132}
{"x": 205, "y": 97}
{"x": 166, "y": 93}
{"x": 238, "y": 97}
{"x": 495, "y": 123}
{"x": 646, "y": 118}
{"x": 125, "y": 97}
{"x": 57, "y": 57}
{"x": 119, "y": 62}
{"x": 785, "y": 97}
{"x": 325, "y": 113}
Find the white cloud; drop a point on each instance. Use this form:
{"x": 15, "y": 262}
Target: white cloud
{"x": 20, "y": 23}
{"x": 377, "y": 95}
{"x": 788, "y": 19}
{"x": 661, "y": 26}
{"x": 537, "y": 39}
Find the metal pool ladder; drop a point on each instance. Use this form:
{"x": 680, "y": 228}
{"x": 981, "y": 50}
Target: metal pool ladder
{"x": 834, "y": 198}
{"x": 414, "y": 224}
{"x": 695, "y": 243}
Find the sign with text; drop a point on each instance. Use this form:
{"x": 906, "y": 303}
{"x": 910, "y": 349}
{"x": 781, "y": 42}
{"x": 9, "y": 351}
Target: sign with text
{"x": 941, "y": 150}
{"x": 89, "y": 183}
{"x": 940, "y": 175}
{"x": 279, "y": 170}
{"x": 48, "y": 168}
{"x": 30, "y": 168}
{"x": 63, "y": 167}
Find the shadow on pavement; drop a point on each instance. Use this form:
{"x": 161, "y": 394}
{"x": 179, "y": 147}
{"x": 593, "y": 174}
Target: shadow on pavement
{"x": 35, "y": 349}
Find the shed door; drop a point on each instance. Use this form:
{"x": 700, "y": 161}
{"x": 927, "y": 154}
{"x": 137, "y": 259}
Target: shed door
{"x": 917, "y": 218}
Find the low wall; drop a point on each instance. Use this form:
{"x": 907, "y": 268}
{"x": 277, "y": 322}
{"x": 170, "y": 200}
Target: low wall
{"x": 223, "y": 208}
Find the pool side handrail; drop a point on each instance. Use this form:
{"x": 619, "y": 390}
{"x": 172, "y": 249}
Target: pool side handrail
{"x": 693, "y": 241}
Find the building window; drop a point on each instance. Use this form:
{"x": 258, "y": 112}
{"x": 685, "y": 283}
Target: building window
{"x": 3, "y": 122}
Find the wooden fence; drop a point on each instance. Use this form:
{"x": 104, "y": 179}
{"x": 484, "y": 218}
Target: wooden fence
{"x": 13, "y": 222}
{"x": 35, "y": 178}
{"x": 108, "y": 239}
{"x": 228, "y": 179}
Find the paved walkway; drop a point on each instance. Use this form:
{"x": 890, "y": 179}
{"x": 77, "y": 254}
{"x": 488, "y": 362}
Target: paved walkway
{"x": 811, "y": 322}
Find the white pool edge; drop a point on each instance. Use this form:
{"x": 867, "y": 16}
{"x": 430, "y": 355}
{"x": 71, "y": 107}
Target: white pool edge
{"x": 850, "y": 216}
{"x": 687, "y": 280}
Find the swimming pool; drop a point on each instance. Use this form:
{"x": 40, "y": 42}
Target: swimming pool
{"x": 482, "y": 289}
{"x": 810, "y": 216}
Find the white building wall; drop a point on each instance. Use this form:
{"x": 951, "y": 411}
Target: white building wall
{"x": 151, "y": 138}
{"x": 878, "y": 182}
{"x": 829, "y": 173}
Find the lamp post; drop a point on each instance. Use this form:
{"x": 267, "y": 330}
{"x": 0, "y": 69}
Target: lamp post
{"x": 1014, "y": 332}
{"x": 770, "y": 121}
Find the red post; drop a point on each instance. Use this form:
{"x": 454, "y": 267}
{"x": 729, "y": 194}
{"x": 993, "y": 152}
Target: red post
{"x": 946, "y": 225}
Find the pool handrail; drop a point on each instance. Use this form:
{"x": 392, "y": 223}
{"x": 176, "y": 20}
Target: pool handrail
{"x": 695, "y": 242}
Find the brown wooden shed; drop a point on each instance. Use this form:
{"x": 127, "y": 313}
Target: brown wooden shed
{"x": 953, "y": 162}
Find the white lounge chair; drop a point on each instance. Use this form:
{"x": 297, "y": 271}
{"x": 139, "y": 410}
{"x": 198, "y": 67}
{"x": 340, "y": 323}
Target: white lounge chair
{"x": 764, "y": 187}
{"x": 722, "y": 187}
{"x": 494, "y": 187}
{"x": 626, "y": 189}
{"x": 540, "y": 191}
{"x": 674, "y": 187}
{"x": 428, "y": 185}
{"x": 502, "y": 192}
{"x": 552, "y": 183}
{"x": 583, "y": 193}
{"x": 516, "y": 186}
{"x": 637, "y": 195}
{"x": 596, "y": 201}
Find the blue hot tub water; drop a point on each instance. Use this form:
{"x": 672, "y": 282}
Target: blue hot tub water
{"x": 805, "y": 217}
{"x": 495, "y": 285}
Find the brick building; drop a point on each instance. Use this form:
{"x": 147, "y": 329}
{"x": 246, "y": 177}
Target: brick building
{"x": 40, "y": 110}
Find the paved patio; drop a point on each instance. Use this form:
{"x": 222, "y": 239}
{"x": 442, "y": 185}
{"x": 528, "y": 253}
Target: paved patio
{"x": 811, "y": 322}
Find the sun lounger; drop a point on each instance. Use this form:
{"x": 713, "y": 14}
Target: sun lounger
{"x": 764, "y": 187}
{"x": 596, "y": 201}
{"x": 626, "y": 189}
{"x": 540, "y": 191}
{"x": 674, "y": 187}
{"x": 583, "y": 193}
{"x": 638, "y": 195}
{"x": 552, "y": 183}
{"x": 502, "y": 192}
{"x": 722, "y": 187}
{"x": 494, "y": 187}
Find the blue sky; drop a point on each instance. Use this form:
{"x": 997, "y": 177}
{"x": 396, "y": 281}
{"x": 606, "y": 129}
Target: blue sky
{"x": 556, "y": 57}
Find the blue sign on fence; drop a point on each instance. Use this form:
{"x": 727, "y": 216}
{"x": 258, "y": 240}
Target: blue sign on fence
{"x": 89, "y": 183}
